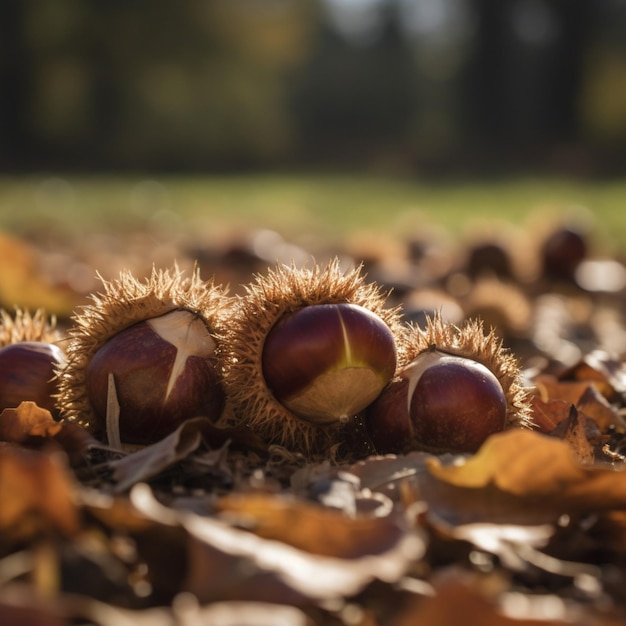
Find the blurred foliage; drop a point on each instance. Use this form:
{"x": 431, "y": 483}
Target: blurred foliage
{"x": 305, "y": 208}
{"x": 393, "y": 85}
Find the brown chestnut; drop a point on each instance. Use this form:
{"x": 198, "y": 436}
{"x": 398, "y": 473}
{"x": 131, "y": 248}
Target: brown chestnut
{"x": 439, "y": 402}
{"x": 327, "y": 362}
{"x": 27, "y": 373}
{"x": 563, "y": 251}
{"x": 164, "y": 371}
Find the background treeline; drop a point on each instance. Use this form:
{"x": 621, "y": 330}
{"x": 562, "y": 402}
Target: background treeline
{"x": 464, "y": 86}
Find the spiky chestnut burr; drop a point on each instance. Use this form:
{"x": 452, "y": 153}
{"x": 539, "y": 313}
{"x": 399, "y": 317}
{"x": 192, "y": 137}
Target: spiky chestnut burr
{"x": 29, "y": 357}
{"x": 152, "y": 345}
{"x": 306, "y": 350}
{"x": 457, "y": 387}
{"x": 27, "y": 326}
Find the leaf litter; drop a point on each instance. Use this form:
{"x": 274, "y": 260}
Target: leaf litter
{"x": 211, "y": 526}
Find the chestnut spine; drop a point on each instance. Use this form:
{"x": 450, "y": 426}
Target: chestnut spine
{"x": 27, "y": 326}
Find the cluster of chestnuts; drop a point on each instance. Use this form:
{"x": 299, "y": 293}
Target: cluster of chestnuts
{"x": 302, "y": 358}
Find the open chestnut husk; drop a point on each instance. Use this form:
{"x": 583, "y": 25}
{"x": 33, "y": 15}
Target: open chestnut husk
{"x": 29, "y": 357}
{"x": 457, "y": 387}
{"x": 307, "y": 350}
{"x": 148, "y": 352}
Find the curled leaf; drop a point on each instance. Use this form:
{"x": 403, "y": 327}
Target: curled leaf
{"x": 331, "y": 573}
{"x": 536, "y": 471}
{"x": 149, "y": 461}
{"x": 310, "y": 527}
{"x": 33, "y": 426}
{"x": 27, "y": 420}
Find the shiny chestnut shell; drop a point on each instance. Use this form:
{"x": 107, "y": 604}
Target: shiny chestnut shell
{"x": 327, "y": 362}
{"x": 439, "y": 402}
{"x": 27, "y": 373}
{"x": 164, "y": 372}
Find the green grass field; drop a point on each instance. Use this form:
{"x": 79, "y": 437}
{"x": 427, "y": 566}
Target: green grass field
{"x": 300, "y": 205}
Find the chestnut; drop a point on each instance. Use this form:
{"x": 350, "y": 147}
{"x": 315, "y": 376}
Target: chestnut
{"x": 164, "y": 370}
{"x": 441, "y": 402}
{"x": 306, "y": 350}
{"x": 489, "y": 258}
{"x": 327, "y": 362}
{"x": 143, "y": 356}
{"x": 563, "y": 251}
{"x": 457, "y": 386}
{"x": 27, "y": 373}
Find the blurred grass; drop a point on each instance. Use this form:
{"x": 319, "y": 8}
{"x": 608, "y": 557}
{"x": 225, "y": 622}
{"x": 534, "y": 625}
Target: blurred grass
{"x": 300, "y": 206}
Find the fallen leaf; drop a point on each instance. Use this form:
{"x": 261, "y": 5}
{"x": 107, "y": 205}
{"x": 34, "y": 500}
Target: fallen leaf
{"x": 605, "y": 370}
{"x": 551, "y": 388}
{"x": 577, "y": 430}
{"x": 595, "y": 406}
{"x": 549, "y": 413}
{"x": 506, "y": 541}
{"x": 33, "y": 426}
{"x": 457, "y": 602}
{"x": 149, "y": 461}
{"x": 37, "y": 494}
{"x": 315, "y": 576}
{"x": 311, "y": 527}
{"x": 538, "y": 472}
{"x": 26, "y": 421}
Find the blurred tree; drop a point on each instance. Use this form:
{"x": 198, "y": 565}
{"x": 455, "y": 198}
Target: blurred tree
{"x": 15, "y": 77}
{"x": 603, "y": 106}
{"x": 525, "y": 73}
{"x": 232, "y": 84}
{"x": 352, "y": 99}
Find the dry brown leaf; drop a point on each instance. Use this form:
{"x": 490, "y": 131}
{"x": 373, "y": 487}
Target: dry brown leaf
{"x": 536, "y": 469}
{"x": 507, "y": 541}
{"x": 76, "y": 441}
{"x": 306, "y": 575}
{"x": 607, "y": 372}
{"x": 31, "y": 425}
{"x": 310, "y": 527}
{"x": 595, "y": 406}
{"x": 456, "y": 602}
{"x": 577, "y": 430}
{"x": 37, "y": 494}
{"x": 149, "y": 461}
{"x": 551, "y": 388}
{"x": 387, "y": 474}
{"x": 549, "y": 413}
{"x": 551, "y": 404}
{"x": 27, "y": 420}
